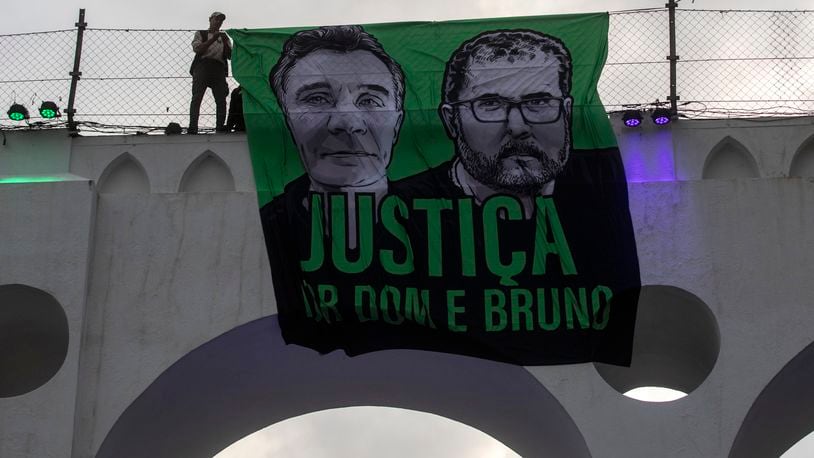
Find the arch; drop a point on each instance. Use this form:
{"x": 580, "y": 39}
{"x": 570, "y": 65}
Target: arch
{"x": 248, "y": 378}
{"x": 783, "y": 412}
{"x": 676, "y": 343}
{"x": 730, "y": 159}
{"x": 383, "y": 428}
{"x": 33, "y": 338}
{"x": 802, "y": 165}
{"x": 125, "y": 175}
{"x": 207, "y": 173}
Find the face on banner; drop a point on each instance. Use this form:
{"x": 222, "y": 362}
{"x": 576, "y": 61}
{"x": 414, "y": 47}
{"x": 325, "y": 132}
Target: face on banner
{"x": 507, "y": 108}
{"x": 343, "y": 121}
{"x": 343, "y": 110}
{"x": 502, "y": 239}
{"x": 511, "y": 122}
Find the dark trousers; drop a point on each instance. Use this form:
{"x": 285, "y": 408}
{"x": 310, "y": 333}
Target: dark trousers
{"x": 235, "y": 120}
{"x": 208, "y": 73}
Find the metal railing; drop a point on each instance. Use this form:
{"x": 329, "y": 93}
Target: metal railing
{"x": 725, "y": 64}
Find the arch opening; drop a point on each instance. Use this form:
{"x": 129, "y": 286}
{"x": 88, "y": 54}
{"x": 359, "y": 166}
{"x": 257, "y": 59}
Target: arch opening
{"x": 782, "y": 417}
{"x": 249, "y": 378}
{"x": 804, "y": 448}
{"x": 368, "y": 432}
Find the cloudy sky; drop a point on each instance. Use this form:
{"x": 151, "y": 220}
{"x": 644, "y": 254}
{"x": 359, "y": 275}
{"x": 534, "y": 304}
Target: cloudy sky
{"x": 372, "y": 433}
{"x": 21, "y": 16}
{"x": 297, "y": 438}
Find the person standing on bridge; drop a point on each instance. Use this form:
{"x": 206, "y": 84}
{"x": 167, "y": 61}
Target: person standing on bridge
{"x": 209, "y": 70}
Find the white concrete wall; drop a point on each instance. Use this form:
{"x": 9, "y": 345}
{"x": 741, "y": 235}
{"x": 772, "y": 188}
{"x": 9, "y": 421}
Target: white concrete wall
{"x": 744, "y": 247}
{"x": 45, "y": 242}
{"x": 148, "y": 274}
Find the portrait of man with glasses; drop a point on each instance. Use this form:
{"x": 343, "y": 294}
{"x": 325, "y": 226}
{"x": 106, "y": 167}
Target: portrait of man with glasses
{"x": 506, "y": 105}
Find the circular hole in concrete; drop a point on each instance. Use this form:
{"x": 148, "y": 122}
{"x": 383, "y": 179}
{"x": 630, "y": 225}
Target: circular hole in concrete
{"x": 675, "y": 346}
{"x": 33, "y": 339}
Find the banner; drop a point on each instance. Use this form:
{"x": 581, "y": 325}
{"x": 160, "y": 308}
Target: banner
{"x": 446, "y": 186}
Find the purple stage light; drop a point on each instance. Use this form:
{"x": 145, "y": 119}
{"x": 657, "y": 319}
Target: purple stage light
{"x": 661, "y": 116}
{"x": 632, "y": 118}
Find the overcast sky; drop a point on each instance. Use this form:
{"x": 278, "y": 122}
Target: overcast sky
{"x": 317, "y": 435}
{"x": 301, "y": 435}
{"x": 22, "y": 16}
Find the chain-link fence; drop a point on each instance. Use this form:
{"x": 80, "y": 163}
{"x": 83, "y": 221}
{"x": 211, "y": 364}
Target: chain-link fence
{"x": 637, "y": 72}
{"x": 746, "y": 63}
{"x": 35, "y": 68}
{"x": 131, "y": 80}
{"x": 139, "y": 78}
{"x": 730, "y": 64}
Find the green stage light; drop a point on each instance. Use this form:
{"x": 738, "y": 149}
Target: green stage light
{"x": 17, "y": 112}
{"x": 49, "y": 110}
{"x": 29, "y": 179}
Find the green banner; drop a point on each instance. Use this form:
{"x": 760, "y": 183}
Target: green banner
{"x": 448, "y": 186}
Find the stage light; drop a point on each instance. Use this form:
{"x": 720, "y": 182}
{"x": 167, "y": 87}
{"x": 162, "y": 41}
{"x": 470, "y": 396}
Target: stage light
{"x": 632, "y": 118}
{"x": 661, "y": 116}
{"x": 17, "y": 112}
{"x": 49, "y": 110}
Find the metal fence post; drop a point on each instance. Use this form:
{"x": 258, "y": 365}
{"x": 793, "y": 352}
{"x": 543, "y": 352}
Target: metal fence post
{"x": 673, "y": 57}
{"x": 75, "y": 74}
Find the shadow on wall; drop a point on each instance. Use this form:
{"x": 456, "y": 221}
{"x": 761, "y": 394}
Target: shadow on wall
{"x": 248, "y": 378}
